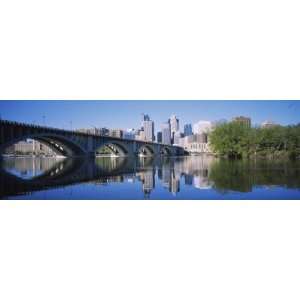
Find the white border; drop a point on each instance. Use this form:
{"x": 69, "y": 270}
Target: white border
{"x": 149, "y": 250}
{"x": 139, "y": 50}
{"x": 162, "y": 49}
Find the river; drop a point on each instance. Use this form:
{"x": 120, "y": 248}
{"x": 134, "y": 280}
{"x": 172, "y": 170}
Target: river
{"x": 189, "y": 177}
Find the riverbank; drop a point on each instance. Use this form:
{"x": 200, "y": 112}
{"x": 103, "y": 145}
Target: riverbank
{"x": 276, "y": 155}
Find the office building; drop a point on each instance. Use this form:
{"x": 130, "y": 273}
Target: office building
{"x": 145, "y": 117}
{"x": 188, "y": 130}
{"x": 140, "y": 135}
{"x": 43, "y": 149}
{"x": 166, "y": 133}
{"x": 103, "y": 131}
{"x": 196, "y": 147}
{"x": 87, "y": 130}
{"x": 196, "y": 143}
{"x": 26, "y": 147}
{"x": 118, "y": 133}
{"x": 184, "y": 141}
{"x": 159, "y": 137}
{"x": 30, "y": 147}
{"x": 200, "y": 138}
{"x": 94, "y": 131}
{"x": 148, "y": 128}
{"x": 243, "y": 120}
{"x": 174, "y": 126}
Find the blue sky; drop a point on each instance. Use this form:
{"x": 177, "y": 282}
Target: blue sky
{"x": 127, "y": 114}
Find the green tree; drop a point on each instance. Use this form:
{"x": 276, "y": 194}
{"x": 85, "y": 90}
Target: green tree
{"x": 236, "y": 140}
{"x": 231, "y": 139}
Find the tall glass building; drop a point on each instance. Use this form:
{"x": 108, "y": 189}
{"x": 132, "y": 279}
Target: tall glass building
{"x": 188, "y": 130}
{"x": 166, "y": 133}
{"x": 174, "y": 124}
{"x": 148, "y": 128}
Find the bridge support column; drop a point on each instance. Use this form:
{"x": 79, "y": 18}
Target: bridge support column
{"x": 135, "y": 150}
{"x": 131, "y": 148}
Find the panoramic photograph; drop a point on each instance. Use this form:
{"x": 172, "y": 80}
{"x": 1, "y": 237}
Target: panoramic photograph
{"x": 150, "y": 149}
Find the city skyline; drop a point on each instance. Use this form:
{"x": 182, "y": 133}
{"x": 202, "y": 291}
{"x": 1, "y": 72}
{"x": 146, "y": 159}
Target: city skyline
{"x": 125, "y": 114}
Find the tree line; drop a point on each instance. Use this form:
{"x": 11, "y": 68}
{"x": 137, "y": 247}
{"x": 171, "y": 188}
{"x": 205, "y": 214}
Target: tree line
{"x": 236, "y": 140}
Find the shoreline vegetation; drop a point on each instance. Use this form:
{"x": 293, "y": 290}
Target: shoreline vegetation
{"x": 236, "y": 140}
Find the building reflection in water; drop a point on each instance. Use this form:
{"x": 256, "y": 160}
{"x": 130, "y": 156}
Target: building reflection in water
{"x": 188, "y": 179}
{"x": 174, "y": 186}
{"x": 147, "y": 178}
{"x": 194, "y": 170}
{"x": 106, "y": 170}
{"x": 25, "y": 175}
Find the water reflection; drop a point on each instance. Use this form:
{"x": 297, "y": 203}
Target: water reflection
{"x": 193, "y": 177}
{"x": 30, "y": 167}
{"x": 245, "y": 175}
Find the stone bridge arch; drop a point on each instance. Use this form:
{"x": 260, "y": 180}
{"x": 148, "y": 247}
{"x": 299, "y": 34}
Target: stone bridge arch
{"x": 60, "y": 144}
{"x": 116, "y": 147}
{"x": 165, "y": 150}
{"x": 146, "y": 150}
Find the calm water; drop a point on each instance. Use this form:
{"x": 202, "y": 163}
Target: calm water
{"x": 193, "y": 177}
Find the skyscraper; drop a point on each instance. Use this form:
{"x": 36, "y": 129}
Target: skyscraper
{"x": 159, "y": 137}
{"x": 166, "y": 133}
{"x": 145, "y": 117}
{"x": 174, "y": 125}
{"x": 188, "y": 129}
{"x": 148, "y": 128}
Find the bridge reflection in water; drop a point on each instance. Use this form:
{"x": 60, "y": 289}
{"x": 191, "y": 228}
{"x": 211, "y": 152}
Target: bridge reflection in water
{"x": 156, "y": 177}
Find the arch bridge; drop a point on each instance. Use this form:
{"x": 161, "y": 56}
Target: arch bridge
{"x": 73, "y": 143}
